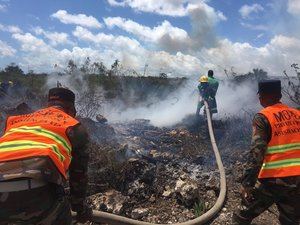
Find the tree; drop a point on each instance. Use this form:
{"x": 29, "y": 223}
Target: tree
{"x": 115, "y": 68}
{"x": 256, "y": 75}
{"x": 163, "y": 75}
{"x": 71, "y": 68}
{"x": 13, "y": 69}
{"x": 115, "y": 65}
{"x": 99, "y": 68}
{"x": 30, "y": 72}
{"x": 85, "y": 68}
{"x": 90, "y": 103}
{"x": 259, "y": 74}
{"x": 292, "y": 89}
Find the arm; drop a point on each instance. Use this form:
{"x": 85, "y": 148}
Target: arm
{"x": 261, "y": 136}
{"x": 199, "y": 88}
{"x": 78, "y": 168}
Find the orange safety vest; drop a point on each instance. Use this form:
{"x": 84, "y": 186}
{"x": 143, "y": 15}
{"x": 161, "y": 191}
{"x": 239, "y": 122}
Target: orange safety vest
{"x": 42, "y": 133}
{"x": 282, "y": 158}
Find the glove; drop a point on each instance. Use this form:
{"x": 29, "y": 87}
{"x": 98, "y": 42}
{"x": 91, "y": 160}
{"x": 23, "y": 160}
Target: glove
{"x": 85, "y": 214}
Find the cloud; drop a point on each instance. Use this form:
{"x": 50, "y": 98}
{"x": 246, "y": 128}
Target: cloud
{"x": 173, "y": 39}
{"x": 203, "y": 21}
{"x": 164, "y": 36}
{"x": 6, "y": 50}
{"x": 107, "y": 40}
{"x": 42, "y": 57}
{"x": 274, "y": 57}
{"x": 106, "y": 48}
{"x": 2, "y": 8}
{"x": 30, "y": 43}
{"x": 285, "y": 43}
{"x": 247, "y": 10}
{"x": 78, "y": 19}
{"x": 55, "y": 38}
{"x": 293, "y": 7}
{"x": 10, "y": 28}
{"x": 144, "y": 32}
{"x": 163, "y": 47}
{"x": 255, "y": 27}
{"x": 166, "y": 7}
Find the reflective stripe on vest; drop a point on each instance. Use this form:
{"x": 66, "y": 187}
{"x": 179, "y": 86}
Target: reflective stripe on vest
{"x": 283, "y": 148}
{"x": 24, "y": 145}
{"x": 282, "y": 158}
{"x": 281, "y": 163}
{"x": 42, "y": 133}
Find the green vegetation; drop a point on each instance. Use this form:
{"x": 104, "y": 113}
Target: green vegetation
{"x": 95, "y": 76}
{"x": 199, "y": 208}
{"x": 13, "y": 72}
{"x": 127, "y": 85}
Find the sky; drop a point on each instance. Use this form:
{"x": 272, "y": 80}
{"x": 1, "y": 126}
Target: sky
{"x": 177, "y": 37}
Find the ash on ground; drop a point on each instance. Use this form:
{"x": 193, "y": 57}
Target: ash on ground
{"x": 166, "y": 175}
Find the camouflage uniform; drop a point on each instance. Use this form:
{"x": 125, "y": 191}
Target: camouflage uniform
{"x": 284, "y": 192}
{"x": 48, "y": 204}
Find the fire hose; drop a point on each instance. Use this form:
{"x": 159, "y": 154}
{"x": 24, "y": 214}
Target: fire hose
{"x": 111, "y": 219}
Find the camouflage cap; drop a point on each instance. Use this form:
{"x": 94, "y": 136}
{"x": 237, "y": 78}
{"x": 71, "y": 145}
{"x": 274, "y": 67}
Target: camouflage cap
{"x": 269, "y": 87}
{"x": 61, "y": 94}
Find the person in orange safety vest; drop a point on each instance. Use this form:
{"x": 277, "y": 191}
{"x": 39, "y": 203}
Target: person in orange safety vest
{"x": 272, "y": 174}
{"x": 39, "y": 151}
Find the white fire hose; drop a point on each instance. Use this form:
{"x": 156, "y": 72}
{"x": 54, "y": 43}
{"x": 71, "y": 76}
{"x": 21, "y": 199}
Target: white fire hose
{"x": 111, "y": 219}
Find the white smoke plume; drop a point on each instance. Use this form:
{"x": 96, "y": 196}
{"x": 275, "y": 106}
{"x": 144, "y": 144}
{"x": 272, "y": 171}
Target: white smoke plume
{"x": 231, "y": 99}
{"x": 160, "y": 113}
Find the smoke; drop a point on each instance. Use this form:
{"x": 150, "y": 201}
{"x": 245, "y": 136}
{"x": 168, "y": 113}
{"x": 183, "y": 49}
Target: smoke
{"x": 160, "y": 112}
{"x": 235, "y": 99}
{"x": 232, "y": 99}
{"x": 88, "y": 101}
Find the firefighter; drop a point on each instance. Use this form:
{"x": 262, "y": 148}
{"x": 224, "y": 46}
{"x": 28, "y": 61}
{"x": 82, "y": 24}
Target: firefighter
{"x": 204, "y": 92}
{"x": 214, "y": 85}
{"x": 37, "y": 151}
{"x": 272, "y": 173}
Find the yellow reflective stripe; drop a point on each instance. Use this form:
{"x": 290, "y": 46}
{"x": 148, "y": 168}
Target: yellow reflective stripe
{"x": 283, "y": 148}
{"x": 37, "y": 130}
{"x": 23, "y": 145}
{"x": 281, "y": 163}
{"x": 286, "y": 146}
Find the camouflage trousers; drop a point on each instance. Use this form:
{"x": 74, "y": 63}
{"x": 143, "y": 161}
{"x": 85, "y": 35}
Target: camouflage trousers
{"x": 285, "y": 193}
{"x": 46, "y": 205}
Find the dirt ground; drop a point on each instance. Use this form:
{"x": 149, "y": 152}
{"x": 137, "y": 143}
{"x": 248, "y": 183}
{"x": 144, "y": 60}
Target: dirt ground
{"x": 167, "y": 175}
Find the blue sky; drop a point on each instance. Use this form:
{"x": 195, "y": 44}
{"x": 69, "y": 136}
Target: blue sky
{"x": 184, "y": 36}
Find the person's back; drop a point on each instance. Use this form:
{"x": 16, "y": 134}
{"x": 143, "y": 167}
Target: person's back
{"x": 36, "y": 152}
{"x": 214, "y": 85}
{"x": 272, "y": 171}
{"x": 204, "y": 93}
{"x": 204, "y": 90}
